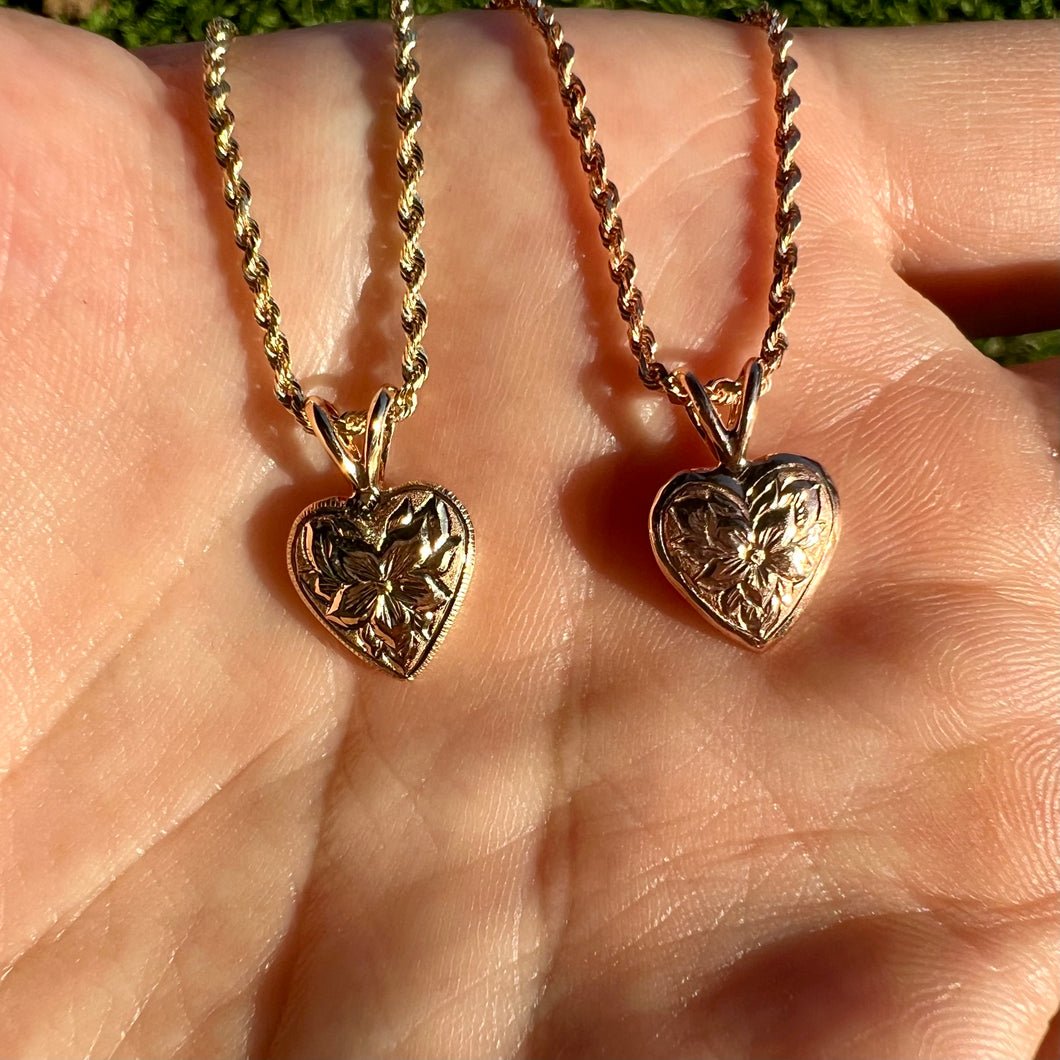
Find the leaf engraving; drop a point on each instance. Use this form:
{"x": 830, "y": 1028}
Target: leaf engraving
{"x": 384, "y": 578}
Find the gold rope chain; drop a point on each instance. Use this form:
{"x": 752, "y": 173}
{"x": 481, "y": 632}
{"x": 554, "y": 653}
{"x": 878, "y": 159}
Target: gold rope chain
{"x": 653, "y": 373}
{"x": 219, "y": 34}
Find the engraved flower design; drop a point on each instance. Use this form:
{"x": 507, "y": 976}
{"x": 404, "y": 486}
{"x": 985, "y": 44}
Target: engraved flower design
{"x": 750, "y": 552}
{"x": 389, "y": 595}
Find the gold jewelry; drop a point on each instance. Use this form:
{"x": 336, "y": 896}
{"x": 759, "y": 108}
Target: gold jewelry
{"x": 386, "y": 569}
{"x": 745, "y": 541}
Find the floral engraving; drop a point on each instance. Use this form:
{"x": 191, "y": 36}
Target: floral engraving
{"x": 384, "y": 578}
{"x": 745, "y": 546}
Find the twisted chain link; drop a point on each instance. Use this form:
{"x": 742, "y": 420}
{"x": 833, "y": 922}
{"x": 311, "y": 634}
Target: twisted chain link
{"x": 788, "y": 176}
{"x": 653, "y": 373}
{"x": 219, "y": 34}
{"x": 410, "y": 209}
{"x": 604, "y": 194}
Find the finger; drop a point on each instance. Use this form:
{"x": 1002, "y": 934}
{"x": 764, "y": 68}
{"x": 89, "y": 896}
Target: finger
{"x": 1045, "y": 374}
{"x": 959, "y": 126}
{"x": 1050, "y": 1047}
{"x": 1042, "y": 383}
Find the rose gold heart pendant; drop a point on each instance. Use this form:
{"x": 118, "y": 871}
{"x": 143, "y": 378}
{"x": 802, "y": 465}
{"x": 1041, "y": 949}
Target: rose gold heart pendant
{"x": 745, "y": 543}
{"x": 385, "y": 571}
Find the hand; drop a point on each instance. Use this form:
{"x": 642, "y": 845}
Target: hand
{"x": 591, "y": 827}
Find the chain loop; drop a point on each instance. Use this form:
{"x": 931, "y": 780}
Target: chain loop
{"x": 582, "y": 124}
{"x": 605, "y": 197}
{"x": 220, "y": 32}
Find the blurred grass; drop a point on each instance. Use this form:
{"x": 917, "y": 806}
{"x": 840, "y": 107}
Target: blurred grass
{"x": 1021, "y": 349}
{"x": 135, "y": 23}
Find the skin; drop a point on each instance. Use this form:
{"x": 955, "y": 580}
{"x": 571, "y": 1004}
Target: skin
{"x": 591, "y": 826}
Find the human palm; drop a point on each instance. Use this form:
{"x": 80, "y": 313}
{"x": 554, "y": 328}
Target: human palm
{"x": 591, "y": 826}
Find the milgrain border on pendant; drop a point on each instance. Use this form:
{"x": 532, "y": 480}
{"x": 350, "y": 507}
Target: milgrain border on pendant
{"x": 336, "y": 504}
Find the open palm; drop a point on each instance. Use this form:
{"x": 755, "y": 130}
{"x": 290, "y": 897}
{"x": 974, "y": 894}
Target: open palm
{"x": 591, "y": 826}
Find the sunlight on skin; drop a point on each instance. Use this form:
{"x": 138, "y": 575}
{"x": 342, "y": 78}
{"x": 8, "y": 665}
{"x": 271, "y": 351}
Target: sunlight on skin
{"x": 591, "y": 827}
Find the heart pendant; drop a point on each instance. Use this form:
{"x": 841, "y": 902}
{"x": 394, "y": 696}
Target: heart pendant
{"x": 385, "y": 570}
{"x": 745, "y": 542}
{"x": 385, "y": 574}
{"x": 746, "y": 546}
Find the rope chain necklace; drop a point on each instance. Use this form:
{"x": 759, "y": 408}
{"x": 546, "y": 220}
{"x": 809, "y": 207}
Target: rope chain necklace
{"x": 385, "y": 570}
{"x": 744, "y": 542}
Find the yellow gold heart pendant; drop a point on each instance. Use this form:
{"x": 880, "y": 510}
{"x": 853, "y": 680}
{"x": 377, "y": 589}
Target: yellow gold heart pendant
{"x": 746, "y": 542}
{"x": 385, "y": 570}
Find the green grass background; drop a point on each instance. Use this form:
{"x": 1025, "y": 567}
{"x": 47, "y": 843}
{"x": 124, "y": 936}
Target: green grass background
{"x": 134, "y": 23}
{"x": 138, "y": 22}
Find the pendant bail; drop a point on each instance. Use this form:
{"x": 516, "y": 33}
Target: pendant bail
{"x": 365, "y": 470}
{"x": 728, "y": 443}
